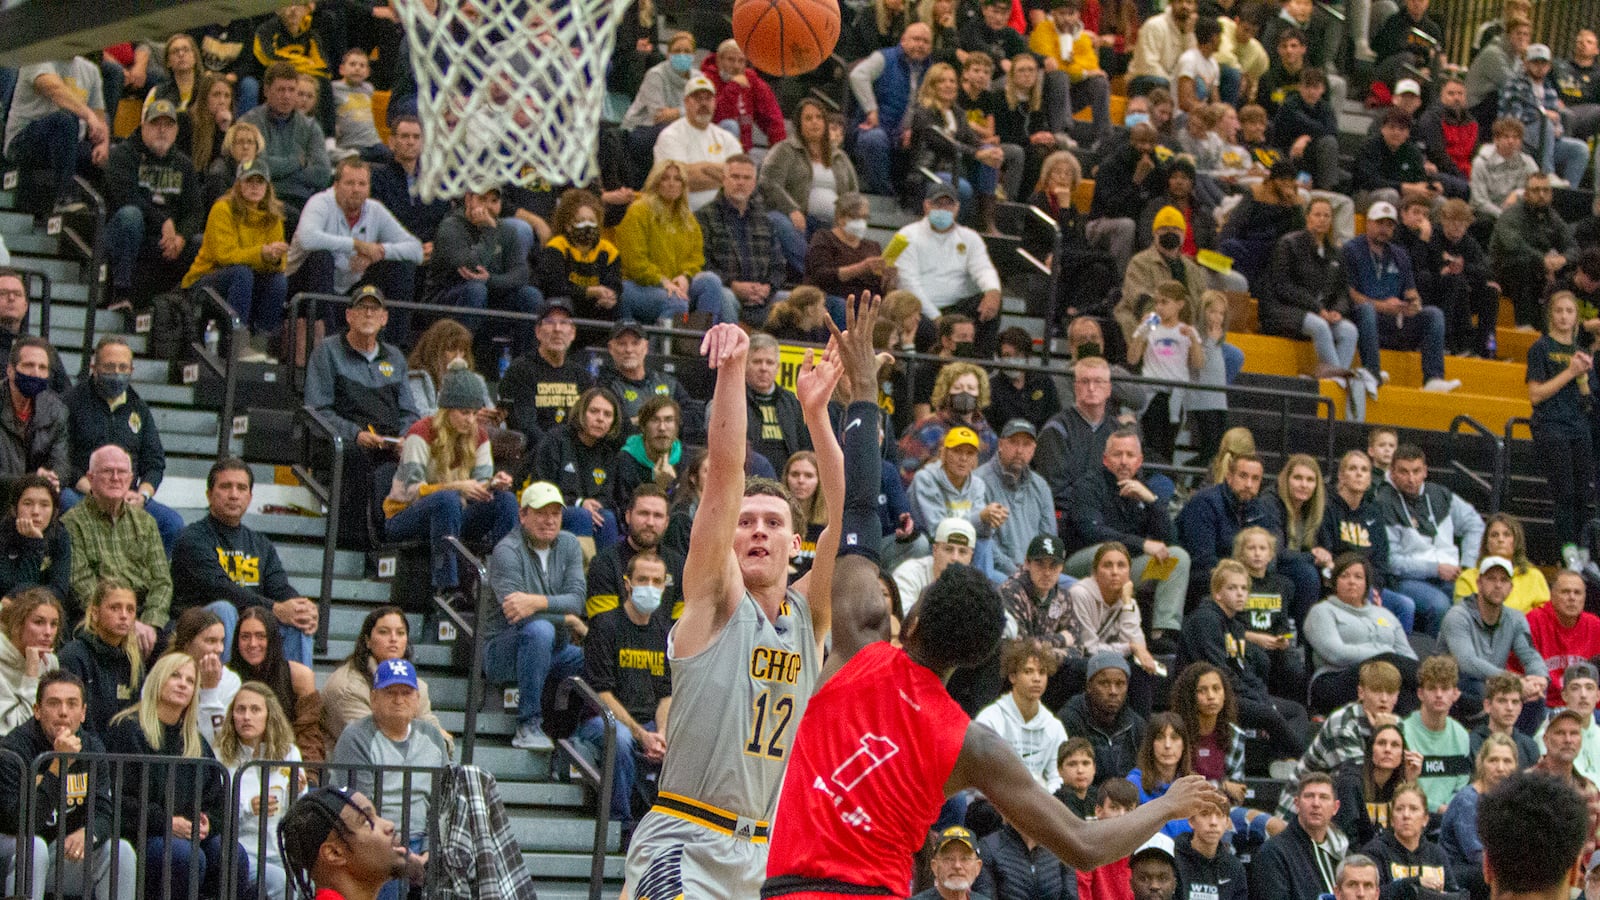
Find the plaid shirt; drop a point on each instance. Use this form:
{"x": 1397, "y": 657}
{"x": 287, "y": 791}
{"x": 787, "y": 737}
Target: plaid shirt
{"x": 740, "y": 248}
{"x": 478, "y": 858}
{"x": 128, "y": 548}
{"x": 1343, "y": 738}
{"x": 1044, "y": 619}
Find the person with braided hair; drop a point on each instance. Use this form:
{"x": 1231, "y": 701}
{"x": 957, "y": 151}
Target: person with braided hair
{"x": 334, "y": 846}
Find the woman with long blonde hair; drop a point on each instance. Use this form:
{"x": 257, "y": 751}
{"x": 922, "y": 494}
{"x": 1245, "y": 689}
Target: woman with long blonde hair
{"x": 165, "y": 722}
{"x": 663, "y": 251}
{"x": 800, "y": 477}
{"x": 256, "y": 728}
{"x": 446, "y": 484}
{"x": 243, "y": 252}
{"x": 30, "y": 630}
{"x": 975, "y": 167}
{"x": 105, "y": 655}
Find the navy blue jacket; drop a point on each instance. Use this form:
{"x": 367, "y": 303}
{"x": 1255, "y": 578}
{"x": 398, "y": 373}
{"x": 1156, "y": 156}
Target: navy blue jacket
{"x": 1213, "y": 517}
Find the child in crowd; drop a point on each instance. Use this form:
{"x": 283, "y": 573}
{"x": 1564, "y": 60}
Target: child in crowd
{"x": 1207, "y": 867}
{"x": 1266, "y": 618}
{"x": 1381, "y": 444}
{"x": 309, "y": 88}
{"x": 1502, "y": 705}
{"x": 1253, "y": 136}
{"x": 1118, "y": 797}
{"x": 1208, "y": 410}
{"x": 1171, "y": 350}
{"x": 353, "y": 127}
{"x": 1075, "y": 765}
{"x": 1444, "y": 744}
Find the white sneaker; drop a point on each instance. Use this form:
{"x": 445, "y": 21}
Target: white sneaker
{"x": 1368, "y": 381}
{"x": 531, "y": 737}
{"x": 1442, "y": 385}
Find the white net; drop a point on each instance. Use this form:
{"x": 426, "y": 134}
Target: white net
{"x": 505, "y": 86}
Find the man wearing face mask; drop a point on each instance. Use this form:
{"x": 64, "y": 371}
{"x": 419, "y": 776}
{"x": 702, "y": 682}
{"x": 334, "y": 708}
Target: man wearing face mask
{"x": 14, "y": 325}
{"x": 947, "y": 266}
{"x": 659, "y": 101}
{"x": 107, "y": 410}
{"x": 625, "y": 661}
{"x": 33, "y": 420}
{"x": 1162, "y": 261}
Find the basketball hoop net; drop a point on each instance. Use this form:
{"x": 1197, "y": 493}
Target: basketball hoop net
{"x": 505, "y": 86}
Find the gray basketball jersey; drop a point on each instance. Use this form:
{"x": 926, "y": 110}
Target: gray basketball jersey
{"x": 736, "y": 706}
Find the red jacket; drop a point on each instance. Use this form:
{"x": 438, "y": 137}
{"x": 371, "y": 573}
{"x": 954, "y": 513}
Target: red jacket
{"x": 751, "y": 106}
{"x": 1559, "y": 646}
{"x": 1109, "y": 882}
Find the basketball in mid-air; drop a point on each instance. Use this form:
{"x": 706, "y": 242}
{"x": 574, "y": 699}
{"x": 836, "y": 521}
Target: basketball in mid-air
{"x": 786, "y": 37}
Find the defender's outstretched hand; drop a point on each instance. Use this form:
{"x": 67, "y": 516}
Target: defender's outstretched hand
{"x": 724, "y": 342}
{"x": 855, "y": 345}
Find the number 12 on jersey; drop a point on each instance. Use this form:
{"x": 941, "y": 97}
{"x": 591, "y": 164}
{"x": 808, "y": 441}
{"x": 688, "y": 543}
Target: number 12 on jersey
{"x": 781, "y": 710}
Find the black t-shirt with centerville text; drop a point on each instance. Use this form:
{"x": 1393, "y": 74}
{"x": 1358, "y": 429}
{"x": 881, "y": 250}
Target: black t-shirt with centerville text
{"x": 628, "y": 660}
{"x": 542, "y": 394}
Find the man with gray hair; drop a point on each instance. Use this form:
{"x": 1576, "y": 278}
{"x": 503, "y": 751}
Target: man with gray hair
{"x": 112, "y": 538}
{"x": 1356, "y": 878}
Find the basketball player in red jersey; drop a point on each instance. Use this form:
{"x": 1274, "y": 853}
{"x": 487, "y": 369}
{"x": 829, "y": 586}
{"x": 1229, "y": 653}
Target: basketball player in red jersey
{"x": 883, "y": 744}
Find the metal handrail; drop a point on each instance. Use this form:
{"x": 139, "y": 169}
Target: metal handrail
{"x": 226, "y": 367}
{"x": 1503, "y": 468}
{"x": 475, "y": 686}
{"x": 97, "y": 271}
{"x": 608, "y": 760}
{"x": 317, "y": 426}
{"x": 42, "y": 295}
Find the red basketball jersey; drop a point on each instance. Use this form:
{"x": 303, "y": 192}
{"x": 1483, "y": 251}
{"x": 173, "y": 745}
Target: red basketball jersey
{"x": 867, "y": 773}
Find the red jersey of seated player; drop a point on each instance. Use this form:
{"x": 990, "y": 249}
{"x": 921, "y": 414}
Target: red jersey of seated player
{"x": 866, "y": 778}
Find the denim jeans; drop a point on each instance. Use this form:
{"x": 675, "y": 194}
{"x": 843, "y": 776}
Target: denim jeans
{"x": 1423, "y": 331}
{"x": 44, "y": 874}
{"x": 577, "y": 520}
{"x": 398, "y": 888}
{"x": 791, "y": 240}
{"x": 441, "y": 514}
{"x": 247, "y": 95}
{"x": 124, "y": 239}
{"x": 1403, "y": 607}
{"x": 296, "y": 643}
{"x": 873, "y": 159}
{"x": 525, "y": 655}
{"x": 651, "y": 303}
{"x": 1335, "y": 343}
{"x": 476, "y": 295}
{"x": 202, "y": 861}
{"x": 258, "y": 297}
{"x": 624, "y": 772}
{"x": 1432, "y": 599}
{"x": 1366, "y": 322}
{"x": 51, "y": 142}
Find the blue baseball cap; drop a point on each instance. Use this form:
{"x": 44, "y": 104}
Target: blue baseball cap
{"x": 395, "y": 671}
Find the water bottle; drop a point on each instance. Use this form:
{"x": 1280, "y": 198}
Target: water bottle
{"x": 1492, "y": 346}
{"x": 505, "y": 361}
{"x": 212, "y": 338}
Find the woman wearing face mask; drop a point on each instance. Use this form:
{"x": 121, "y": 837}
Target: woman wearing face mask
{"x": 959, "y": 395}
{"x": 659, "y": 100}
{"x": 34, "y": 548}
{"x": 578, "y": 263}
{"x": 802, "y": 179}
{"x": 842, "y": 260}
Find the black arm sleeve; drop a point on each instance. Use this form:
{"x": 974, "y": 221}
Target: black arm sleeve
{"x": 863, "y": 473}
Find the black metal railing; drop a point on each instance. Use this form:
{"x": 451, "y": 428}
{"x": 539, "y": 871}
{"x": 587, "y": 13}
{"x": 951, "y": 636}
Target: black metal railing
{"x": 1495, "y": 483}
{"x": 315, "y": 428}
{"x": 224, "y": 362}
{"x": 95, "y": 250}
{"x": 37, "y": 285}
{"x": 482, "y": 597}
{"x": 1503, "y": 467}
{"x": 576, "y": 690}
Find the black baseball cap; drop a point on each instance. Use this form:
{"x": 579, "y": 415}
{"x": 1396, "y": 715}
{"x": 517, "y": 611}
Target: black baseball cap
{"x": 626, "y": 326}
{"x": 1047, "y": 546}
{"x": 556, "y": 303}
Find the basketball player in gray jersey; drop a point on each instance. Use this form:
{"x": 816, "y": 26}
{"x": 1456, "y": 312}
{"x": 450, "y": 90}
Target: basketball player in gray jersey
{"x": 746, "y": 652}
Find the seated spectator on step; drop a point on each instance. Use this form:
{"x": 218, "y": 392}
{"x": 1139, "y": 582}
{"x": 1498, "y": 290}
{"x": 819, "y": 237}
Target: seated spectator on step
{"x": 947, "y": 266}
{"x": 296, "y": 151}
{"x": 1502, "y": 706}
{"x": 802, "y": 180}
{"x": 34, "y": 548}
{"x": 107, "y": 410}
{"x": 57, "y": 122}
{"x": 653, "y": 454}
{"x": 625, "y": 661}
{"x": 257, "y": 655}
{"x": 1073, "y": 438}
{"x": 1503, "y": 537}
{"x": 579, "y": 264}
{"x": 799, "y": 318}
{"x": 646, "y": 520}
{"x": 1379, "y": 274}
{"x": 15, "y": 324}
{"x": 659, "y": 100}
{"x": 1268, "y": 212}
{"x": 241, "y": 145}
{"x": 576, "y": 457}
{"x": 697, "y": 143}
{"x": 478, "y": 263}
{"x": 1580, "y": 276}
{"x": 346, "y": 240}
{"x": 223, "y": 566}
{"x": 1023, "y": 492}
{"x": 393, "y": 734}
{"x": 1123, "y": 183}
{"x": 1497, "y": 62}
{"x": 1433, "y": 535}
{"x": 1304, "y": 859}
{"x": 626, "y": 373}
{"x": 954, "y": 333}
{"x": 1530, "y": 244}
{"x": 536, "y": 572}
{"x": 1267, "y": 623}
{"x": 1483, "y": 634}
{"x": 841, "y": 260}
{"x": 241, "y": 257}
{"x": 1578, "y": 76}
{"x": 1101, "y": 714}
{"x": 1305, "y": 131}
{"x": 1448, "y": 135}
{"x": 1580, "y": 686}
{"x": 541, "y": 385}
{"x": 1301, "y": 499}
{"x": 153, "y": 198}
{"x": 1115, "y": 503}
{"x": 1162, "y": 261}
{"x": 959, "y": 394}
{"x": 663, "y": 251}
{"x": 183, "y": 843}
{"x": 255, "y": 728}
{"x": 776, "y": 430}
{"x": 1453, "y": 274}
{"x": 1095, "y": 271}
{"x": 945, "y": 488}
{"x": 1347, "y": 630}
{"x": 1200, "y": 221}
{"x": 1066, "y": 45}
{"x": 953, "y": 541}
{"x": 1303, "y": 294}
{"x": 1442, "y": 741}
{"x": 884, "y": 86}
{"x": 1287, "y": 60}
{"x": 1162, "y": 39}
{"x": 197, "y": 633}
{"x": 1352, "y": 522}
{"x": 740, "y": 249}
{"x": 1391, "y": 166}
{"x": 446, "y": 484}
{"x": 1350, "y": 730}
{"x": 1532, "y": 96}
{"x": 944, "y": 142}
{"x": 1018, "y": 717}
{"x": 384, "y": 636}
{"x": 1037, "y": 610}
{"x": 1105, "y": 617}
{"x": 105, "y": 653}
{"x": 1500, "y": 170}
{"x": 445, "y": 341}
{"x": 30, "y": 626}
{"x": 1563, "y": 632}
{"x": 1026, "y": 394}
{"x": 115, "y": 538}
{"x": 1208, "y": 523}
{"x": 1408, "y": 860}
{"x": 392, "y": 179}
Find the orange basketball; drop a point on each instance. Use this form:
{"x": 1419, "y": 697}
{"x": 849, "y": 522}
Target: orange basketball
{"x": 786, "y": 37}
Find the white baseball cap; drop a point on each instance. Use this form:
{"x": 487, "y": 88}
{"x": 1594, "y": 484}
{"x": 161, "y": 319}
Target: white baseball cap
{"x": 1381, "y": 210}
{"x": 1407, "y": 86}
{"x": 699, "y": 83}
{"x": 956, "y": 531}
